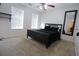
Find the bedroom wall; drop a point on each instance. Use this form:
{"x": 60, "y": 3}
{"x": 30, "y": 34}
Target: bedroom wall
{"x": 56, "y": 15}
{"x": 5, "y": 25}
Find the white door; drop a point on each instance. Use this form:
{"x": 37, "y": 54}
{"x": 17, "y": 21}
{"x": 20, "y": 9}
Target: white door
{"x": 77, "y": 43}
{"x": 76, "y": 37}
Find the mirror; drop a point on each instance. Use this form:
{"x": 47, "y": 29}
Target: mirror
{"x": 69, "y": 22}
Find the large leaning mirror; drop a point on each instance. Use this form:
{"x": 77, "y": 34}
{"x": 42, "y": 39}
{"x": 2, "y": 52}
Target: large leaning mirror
{"x": 69, "y": 22}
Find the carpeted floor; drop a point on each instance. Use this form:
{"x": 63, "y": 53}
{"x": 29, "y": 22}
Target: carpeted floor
{"x": 28, "y": 47}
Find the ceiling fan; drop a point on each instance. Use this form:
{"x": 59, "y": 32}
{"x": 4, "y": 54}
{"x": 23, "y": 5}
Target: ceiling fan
{"x": 45, "y": 5}
{"x": 42, "y": 6}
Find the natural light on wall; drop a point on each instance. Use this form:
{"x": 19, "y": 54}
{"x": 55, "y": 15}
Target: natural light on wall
{"x": 17, "y": 18}
{"x": 34, "y": 24}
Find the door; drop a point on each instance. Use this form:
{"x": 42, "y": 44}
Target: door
{"x": 77, "y": 42}
{"x": 76, "y": 36}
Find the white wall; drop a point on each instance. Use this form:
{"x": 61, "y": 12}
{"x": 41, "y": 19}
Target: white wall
{"x": 56, "y": 15}
{"x": 5, "y": 25}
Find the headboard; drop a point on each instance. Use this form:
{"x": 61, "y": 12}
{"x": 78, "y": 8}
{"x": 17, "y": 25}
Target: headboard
{"x": 54, "y": 25}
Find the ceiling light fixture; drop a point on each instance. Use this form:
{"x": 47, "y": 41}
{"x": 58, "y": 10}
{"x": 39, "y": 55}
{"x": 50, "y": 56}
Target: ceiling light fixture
{"x": 40, "y": 7}
{"x": 45, "y": 6}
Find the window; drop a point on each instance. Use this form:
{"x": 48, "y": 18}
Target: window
{"x": 42, "y": 25}
{"x": 34, "y": 24}
{"x": 17, "y": 18}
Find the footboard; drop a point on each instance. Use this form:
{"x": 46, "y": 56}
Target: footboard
{"x": 38, "y": 36}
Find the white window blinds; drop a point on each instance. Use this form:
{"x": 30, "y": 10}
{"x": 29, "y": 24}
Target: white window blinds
{"x": 17, "y": 18}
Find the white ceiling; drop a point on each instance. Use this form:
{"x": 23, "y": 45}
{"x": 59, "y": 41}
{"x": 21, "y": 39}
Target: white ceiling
{"x": 57, "y": 5}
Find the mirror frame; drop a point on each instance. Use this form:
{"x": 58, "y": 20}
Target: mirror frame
{"x": 73, "y": 23}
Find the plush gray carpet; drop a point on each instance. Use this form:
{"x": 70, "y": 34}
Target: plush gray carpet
{"x": 28, "y": 47}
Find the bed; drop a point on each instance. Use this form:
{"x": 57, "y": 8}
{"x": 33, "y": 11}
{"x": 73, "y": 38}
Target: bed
{"x": 46, "y": 36}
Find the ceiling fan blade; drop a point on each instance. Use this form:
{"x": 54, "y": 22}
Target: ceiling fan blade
{"x": 0, "y": 3}
{"x": 51, "y": 6}
{"x": 43, "y": 3}
{"x": 30, "y": 4}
